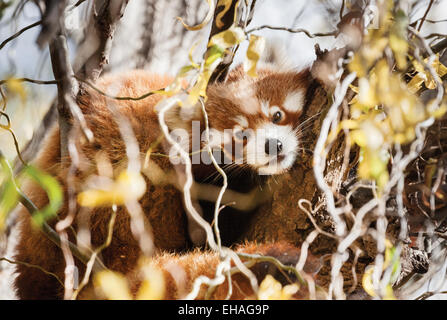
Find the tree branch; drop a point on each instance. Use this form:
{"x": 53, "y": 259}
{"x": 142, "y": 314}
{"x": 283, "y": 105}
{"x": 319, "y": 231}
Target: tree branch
{"x": 88, "y": 65}
{"x": 67, "y": 88}
{"x": 222, "y": 23}
{"x": 52, "y": 20}
{"x": 95, "y": 49}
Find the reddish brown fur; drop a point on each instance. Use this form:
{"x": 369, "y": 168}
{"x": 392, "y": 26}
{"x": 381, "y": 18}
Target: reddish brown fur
{"x": 161, "y": 204}
{"x": 270, "y": 86}
{"x": 204, "y": 263}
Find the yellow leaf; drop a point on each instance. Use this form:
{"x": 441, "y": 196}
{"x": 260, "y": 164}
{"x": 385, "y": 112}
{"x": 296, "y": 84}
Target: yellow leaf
{"x": 388, "y": 253}
{"x": 271, "y": 289}
{"x": 127, "y": 187}
{"x": 424, "y": 75}
{"x": 345, "y": 125}
{"x": 16, "y": 87}
{"x": 356, "y": 65}
{"x": 367, "y": 283}
{"x": 199, "y": 89}
{"x": 415, "y": 84}
{"x": 349, "y": 124}
{"x": 440, "y": 69}
{"x": 367, "y": 92}
{"x": 418, "y": 67}
{"x": 228, "y": 38}
{"x": 226, "y": 4}
{"x": 400, "y": 47}
{"x": 439, "y": 112}
{"x": 113, "y": 285}
{"x": 153, "y": 285}
{"x": 288, "y": 291}
{"x": 389, "y": 294}
{"x": 205, "y": 21}
{"x": 354, "y": 100}
{"x": 367, "y": 56}
{"x": 216, "y": 48}
{"x": 191, "y": 59}
{"x": 359, "y": 137}
{"x": 354, "y": 88}
{"x": 398, "y": 39}
{"x": 177, "y": 84}
{"x": 383, "y": 80}
{"x": 254, "y": 51}
{"x": 373, "y": 166}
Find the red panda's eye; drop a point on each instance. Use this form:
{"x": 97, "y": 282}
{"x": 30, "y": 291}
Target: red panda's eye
{"x": 277, "y": 116}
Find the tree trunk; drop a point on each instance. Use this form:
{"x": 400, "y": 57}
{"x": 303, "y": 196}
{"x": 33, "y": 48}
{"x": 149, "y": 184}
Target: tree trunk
{"x": 150, "y": 37}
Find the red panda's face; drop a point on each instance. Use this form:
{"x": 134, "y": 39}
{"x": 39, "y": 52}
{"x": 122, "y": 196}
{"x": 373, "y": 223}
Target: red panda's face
{"x": 256, "y": 121}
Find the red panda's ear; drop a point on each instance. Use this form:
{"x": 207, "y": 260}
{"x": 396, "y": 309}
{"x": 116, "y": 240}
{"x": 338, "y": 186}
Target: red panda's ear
{"x": 303, "y": 77}
{"x": 236, "y": 74}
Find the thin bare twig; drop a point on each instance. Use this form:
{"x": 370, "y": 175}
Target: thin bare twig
{"x": 18, "y": 33}
{"x": 45, "y": 82}
{"x": 425, "y": 15}
{"x": 296, "y": 30}
{"x": 29, "y": 265}
{"x": 143, "y": 96}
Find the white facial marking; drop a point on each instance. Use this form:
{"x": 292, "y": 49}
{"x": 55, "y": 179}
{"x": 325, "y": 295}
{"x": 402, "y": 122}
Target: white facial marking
{"x": 265, "y": 108}
{"x": 242, "y": 121}
{"x": 268, "y": 164}
{"x": 294, "y": 101}
{"x": 274, "y": 109}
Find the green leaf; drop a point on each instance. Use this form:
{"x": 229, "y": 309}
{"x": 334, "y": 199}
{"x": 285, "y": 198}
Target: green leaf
{"x": 185, "y": 69}
{"x": 54, "y": 193}
{"x": 9, "y": 196}
{"x": 8, "y": 201}
{"x": 214, "y": 52}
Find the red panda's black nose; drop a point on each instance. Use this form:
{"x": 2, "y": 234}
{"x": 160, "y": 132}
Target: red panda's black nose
{"x": 273, "y": 146}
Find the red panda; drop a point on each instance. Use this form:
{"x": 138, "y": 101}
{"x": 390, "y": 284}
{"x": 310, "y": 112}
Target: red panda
{"x": 260, "y": 115}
